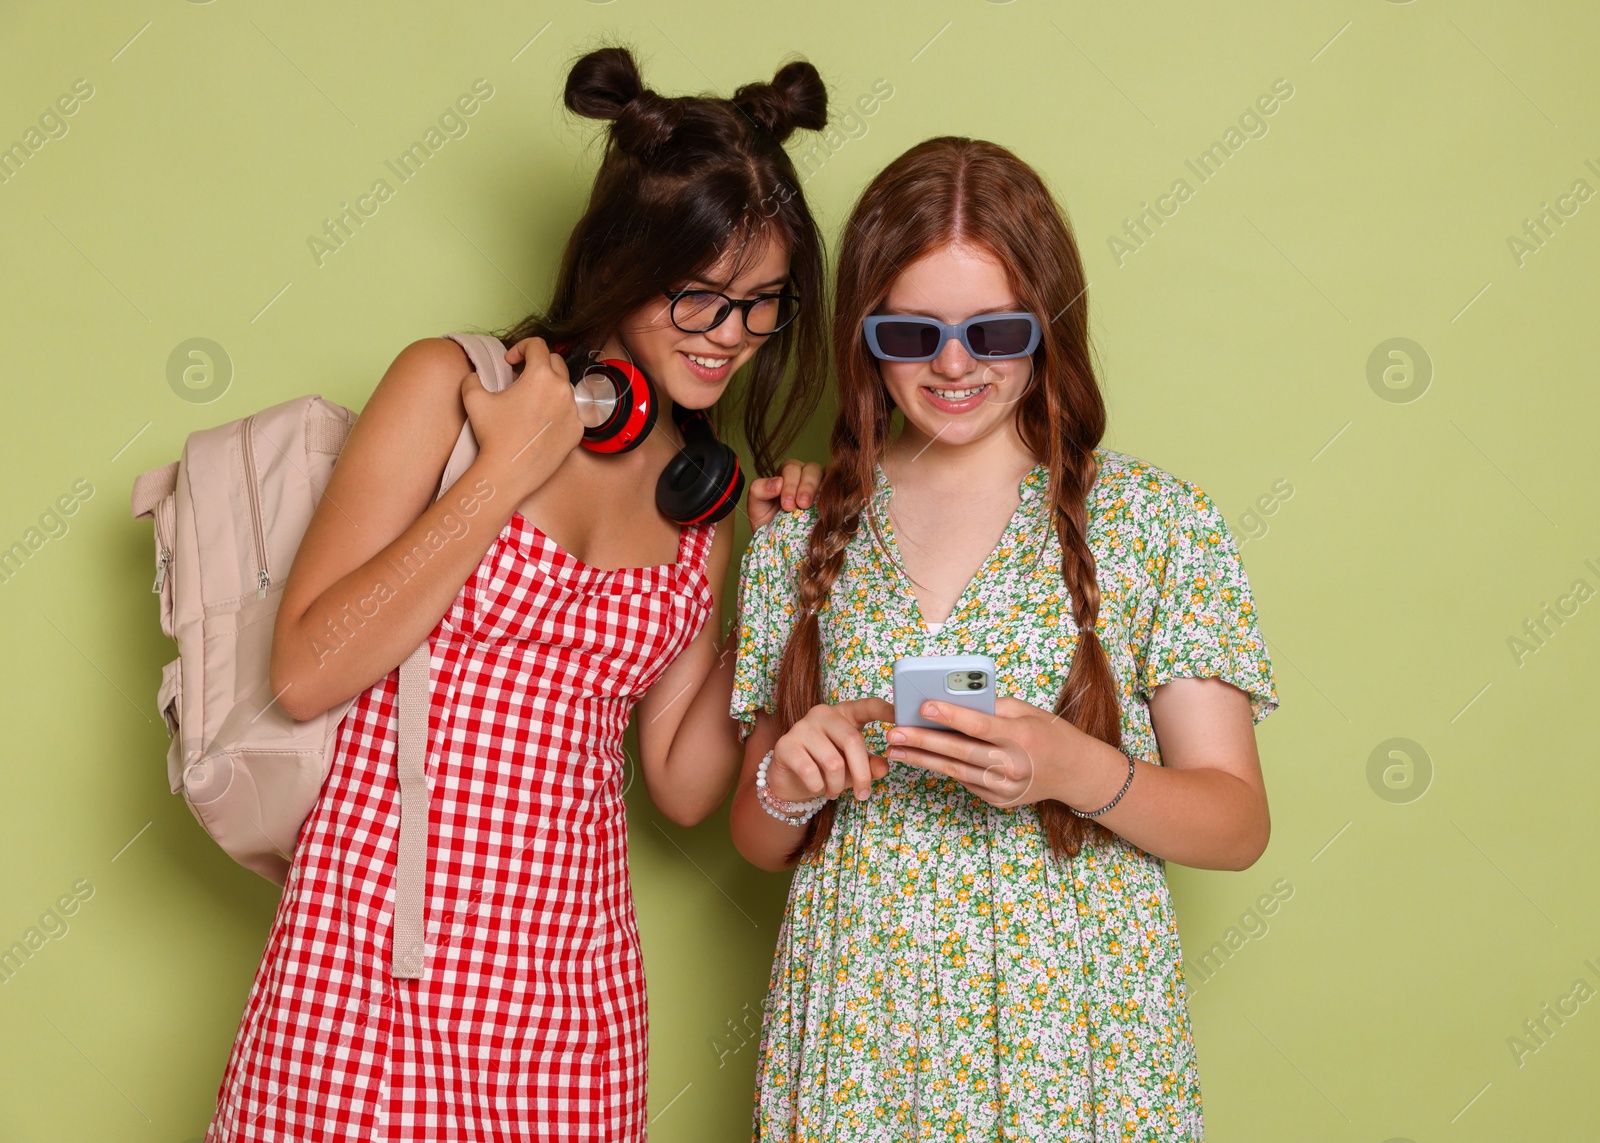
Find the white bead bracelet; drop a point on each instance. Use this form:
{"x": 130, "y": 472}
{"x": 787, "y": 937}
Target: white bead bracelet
{"x": 791, "y": 813}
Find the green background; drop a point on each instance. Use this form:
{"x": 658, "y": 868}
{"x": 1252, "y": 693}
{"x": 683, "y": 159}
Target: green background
{"x": 1433, "y": 911}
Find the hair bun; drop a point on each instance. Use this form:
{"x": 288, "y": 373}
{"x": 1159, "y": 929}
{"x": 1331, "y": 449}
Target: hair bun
{"x": 796, "y": 97}
{"x": 603, "y": 83}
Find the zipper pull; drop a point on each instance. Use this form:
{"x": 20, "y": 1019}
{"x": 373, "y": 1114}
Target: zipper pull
{"x": 262, "y": 580}
{"x": 161, "y": 569}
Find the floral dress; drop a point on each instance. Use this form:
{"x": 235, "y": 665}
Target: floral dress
{"x": 940, "y": 975}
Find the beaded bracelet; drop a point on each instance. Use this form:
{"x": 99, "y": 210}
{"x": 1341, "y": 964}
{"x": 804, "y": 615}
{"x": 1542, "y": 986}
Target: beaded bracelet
{"x": 791, "y": 813}
{"x": 1126, "y": 783}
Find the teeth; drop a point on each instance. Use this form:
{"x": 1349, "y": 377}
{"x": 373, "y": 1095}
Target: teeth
{"x": 708, "y": 362}
{"x": 958, "y": 394}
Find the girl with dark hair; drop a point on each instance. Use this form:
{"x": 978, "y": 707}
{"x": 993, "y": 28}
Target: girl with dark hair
{"x": 561, "y": 601}
{"x": 980, "y": 944}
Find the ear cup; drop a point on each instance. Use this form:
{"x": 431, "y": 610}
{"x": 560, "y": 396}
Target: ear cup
{"x": 617, "y": 404}
{"x": 703, "y": 483}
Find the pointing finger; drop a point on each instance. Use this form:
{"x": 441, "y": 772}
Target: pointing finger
{"x": 864, "y": 710}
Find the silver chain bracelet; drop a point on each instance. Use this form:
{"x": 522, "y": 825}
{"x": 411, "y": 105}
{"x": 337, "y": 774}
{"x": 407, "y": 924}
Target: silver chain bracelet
{"x": 1126, "y": 783}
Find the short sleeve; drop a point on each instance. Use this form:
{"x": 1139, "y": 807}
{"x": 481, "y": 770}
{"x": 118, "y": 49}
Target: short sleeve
{"x": 766, "y": 609}
{"x": 1201, "y": 621}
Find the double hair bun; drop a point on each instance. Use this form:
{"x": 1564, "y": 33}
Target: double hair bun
{"x": 605, "y": 84}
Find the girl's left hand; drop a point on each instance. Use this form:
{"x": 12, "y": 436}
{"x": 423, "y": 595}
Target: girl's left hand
{"x": 1015, "y": 757}
{"x": 793, "y": 488}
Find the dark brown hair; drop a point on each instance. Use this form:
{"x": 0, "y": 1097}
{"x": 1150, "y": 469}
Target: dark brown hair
{"x": 942, "y": 191}
{"x": 683, "y": 181}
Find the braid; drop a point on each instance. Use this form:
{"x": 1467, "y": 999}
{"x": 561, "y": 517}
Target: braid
{"x": 837, "y": 521}
{"x": 841, "y": 500}
{"x": 1088, "y": 698}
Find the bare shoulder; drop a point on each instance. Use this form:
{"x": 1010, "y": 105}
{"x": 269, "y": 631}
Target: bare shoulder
{"x": 413, "y": 416}
{"x": 424, "y": 375}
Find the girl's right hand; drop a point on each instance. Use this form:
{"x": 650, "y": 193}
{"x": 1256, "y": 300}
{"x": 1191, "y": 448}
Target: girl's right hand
{"x": 824, "y": 752}
{"x": 527, "y": 429}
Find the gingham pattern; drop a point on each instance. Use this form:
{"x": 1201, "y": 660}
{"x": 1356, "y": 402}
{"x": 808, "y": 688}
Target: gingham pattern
{"x": 529, "y": 1021}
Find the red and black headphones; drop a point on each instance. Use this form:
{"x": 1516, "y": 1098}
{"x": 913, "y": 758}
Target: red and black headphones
{"x": 617, "y": 404}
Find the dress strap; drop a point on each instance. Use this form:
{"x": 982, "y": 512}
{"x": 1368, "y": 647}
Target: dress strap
{"x": 694, "y": 545}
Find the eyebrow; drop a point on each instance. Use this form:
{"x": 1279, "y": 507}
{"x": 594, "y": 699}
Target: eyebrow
{"x": 1007, "y": 308}
{"x": 763, "y": 286}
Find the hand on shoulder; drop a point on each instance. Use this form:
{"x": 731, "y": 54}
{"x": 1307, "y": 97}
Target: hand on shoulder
{"x": 793, "y": 489}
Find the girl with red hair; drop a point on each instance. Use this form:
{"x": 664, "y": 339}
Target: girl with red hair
{"x": 980, "y": 942}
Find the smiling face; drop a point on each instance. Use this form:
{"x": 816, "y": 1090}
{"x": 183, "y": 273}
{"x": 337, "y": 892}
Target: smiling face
{"x": 693, "y": 369}
{"x": 954, "y": 398}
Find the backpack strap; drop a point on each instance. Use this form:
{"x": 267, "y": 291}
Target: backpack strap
{"x": 408, "y": 951}
{"x": 488, "y": 358}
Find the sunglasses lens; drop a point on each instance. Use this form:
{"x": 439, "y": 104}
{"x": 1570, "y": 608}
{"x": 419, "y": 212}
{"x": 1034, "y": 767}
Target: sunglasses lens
{"x": 907, "y": 339}
{"x": 1000, "y": 337}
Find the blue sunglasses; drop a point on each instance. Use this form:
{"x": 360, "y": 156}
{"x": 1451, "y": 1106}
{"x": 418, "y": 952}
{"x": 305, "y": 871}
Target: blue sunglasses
{"x": 987, "y": 337}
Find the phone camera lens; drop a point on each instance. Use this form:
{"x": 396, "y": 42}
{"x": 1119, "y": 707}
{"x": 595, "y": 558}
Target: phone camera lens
{"x": 974, "y": 686}
{"x": 975, "y": 675}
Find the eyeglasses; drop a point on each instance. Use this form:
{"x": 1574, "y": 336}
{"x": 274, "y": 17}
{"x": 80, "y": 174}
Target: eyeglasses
{"x": 695, "y": 311}
{"x": 910, "y": 337}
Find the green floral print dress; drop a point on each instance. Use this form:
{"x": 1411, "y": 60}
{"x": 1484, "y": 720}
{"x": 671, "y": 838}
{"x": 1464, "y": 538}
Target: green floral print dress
{"x": 940, "y": 975}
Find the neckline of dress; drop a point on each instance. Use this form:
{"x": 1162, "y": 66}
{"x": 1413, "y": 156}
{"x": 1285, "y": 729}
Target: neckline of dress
{"x": 1030, "y": 488}
{"x": 588, "y": 569}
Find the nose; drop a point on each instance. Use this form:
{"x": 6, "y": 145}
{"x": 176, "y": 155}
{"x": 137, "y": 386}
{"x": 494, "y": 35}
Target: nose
{"x": 729, "y": 332}
{"x": 953, "y": 360}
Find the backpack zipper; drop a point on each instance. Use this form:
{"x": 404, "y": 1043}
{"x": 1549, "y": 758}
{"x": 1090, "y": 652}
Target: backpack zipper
{"x": 247, "y": 447}
{"x": 163, "y": 528}
{"x": 165, "y": 558}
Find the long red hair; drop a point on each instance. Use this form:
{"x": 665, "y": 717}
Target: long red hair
{"x": 942, "y": 191}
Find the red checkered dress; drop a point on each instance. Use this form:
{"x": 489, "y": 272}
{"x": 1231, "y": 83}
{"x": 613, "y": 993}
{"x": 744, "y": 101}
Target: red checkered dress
{"x": 529, "y": 1022}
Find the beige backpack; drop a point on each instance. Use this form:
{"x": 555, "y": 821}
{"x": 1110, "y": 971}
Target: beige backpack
{"x": 229, "y": 514}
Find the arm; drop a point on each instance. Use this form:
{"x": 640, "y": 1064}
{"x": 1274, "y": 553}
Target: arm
{"x": 1206, "y": 806}
{"x": 762, "y": 839}
{"x": 381, "y": 561}
{"x": 688, "y": 746}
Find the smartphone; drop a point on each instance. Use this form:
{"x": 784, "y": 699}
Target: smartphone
{"x": 961, "y": 680}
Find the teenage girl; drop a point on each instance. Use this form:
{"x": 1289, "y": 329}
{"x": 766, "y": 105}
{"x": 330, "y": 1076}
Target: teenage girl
{"x": 979, "y": 942}
{"x": 562, "y": 601}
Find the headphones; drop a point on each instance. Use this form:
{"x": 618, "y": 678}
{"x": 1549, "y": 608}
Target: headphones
{"x": 617, "y": 404}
